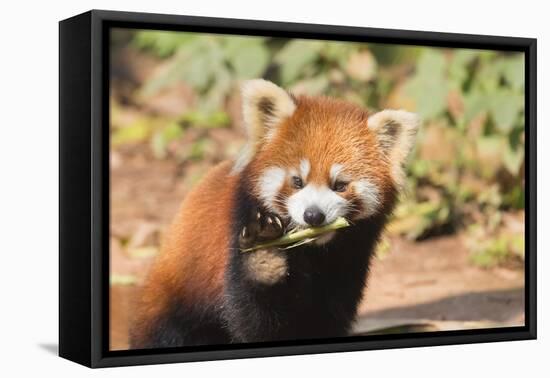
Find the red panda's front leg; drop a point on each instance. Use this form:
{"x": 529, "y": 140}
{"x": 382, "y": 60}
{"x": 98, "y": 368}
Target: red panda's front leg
{"x": 256, "y": 281}
{"x": 271, "y": 294}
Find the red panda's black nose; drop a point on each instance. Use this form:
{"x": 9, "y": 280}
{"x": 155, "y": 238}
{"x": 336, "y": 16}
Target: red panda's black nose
{"x": 314, "y": 216}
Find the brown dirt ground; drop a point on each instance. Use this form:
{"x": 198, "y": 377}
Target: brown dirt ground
{"x": 415, "y": 282}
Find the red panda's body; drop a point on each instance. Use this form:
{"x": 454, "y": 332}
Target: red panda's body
{"x": 190, "y": 271}
{"x": 308, "y": 161}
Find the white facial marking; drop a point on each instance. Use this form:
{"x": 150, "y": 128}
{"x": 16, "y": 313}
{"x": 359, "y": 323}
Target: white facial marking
{"x": 335, "y": 171}
{"x": 369, "y": 194}
{"x": 271, "y": 183}
{"x": 330, "y": 203}
{"x": 304, "y": 168}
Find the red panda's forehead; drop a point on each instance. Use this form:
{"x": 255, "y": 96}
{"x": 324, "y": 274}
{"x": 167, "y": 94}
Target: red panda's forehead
{"x": 324, "y": 132}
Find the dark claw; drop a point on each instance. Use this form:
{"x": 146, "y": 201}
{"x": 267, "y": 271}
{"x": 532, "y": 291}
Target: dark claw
{"x": 271, "y": 227}
{"x": 261, "y": 227}
{"x": 248, "y": 235}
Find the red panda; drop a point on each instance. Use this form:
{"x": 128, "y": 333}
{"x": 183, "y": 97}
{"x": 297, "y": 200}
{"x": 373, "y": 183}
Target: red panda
{"x": 308, "y": 161}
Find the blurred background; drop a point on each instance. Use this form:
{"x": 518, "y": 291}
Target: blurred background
{"x": 452, "y": 256}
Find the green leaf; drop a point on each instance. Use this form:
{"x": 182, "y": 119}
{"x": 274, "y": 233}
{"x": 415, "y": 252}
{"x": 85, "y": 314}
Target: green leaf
{"x": 475, "y": 103}
{"x": 314, "y": 86}
{"x": 415, "y": 219}
{"x": 136, "y": 132}
{"x": 458, "y": 67}
{"x": 206, "y": 120}
{"x": 429, "y": 95}
{"x": 335, "y": 51}
{"x": 123, "y": 279}
{"x": 161, "y": 43}
{"x": 488, "y": 77}
{"x": 505, "y": 106}
{"x": 513, "y": 70}
{"x": 197, "y": 149}
{"x": 420, "y": 167}
{"x": 517, "y": 245}
{"x": 515, "y": 197}
{"x": 196, "y": 63}
{"x": 162, "y": 139}
{"x": 429, "y": 87}
{"x": 513, "y": 160}
{"x": 295, "y": 56}
{"x": 492, "y": 251}
{"x": 214, "y": 97}
{"x": 143, "y": 252}
{"x": 515, "y": 137}
{"x": 248, "y": 56}
{"x": 251, "y": 63}
{"x": 431, "y": 63}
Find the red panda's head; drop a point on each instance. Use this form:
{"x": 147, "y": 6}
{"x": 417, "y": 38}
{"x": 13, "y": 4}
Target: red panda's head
{"x": 314, "y": 159}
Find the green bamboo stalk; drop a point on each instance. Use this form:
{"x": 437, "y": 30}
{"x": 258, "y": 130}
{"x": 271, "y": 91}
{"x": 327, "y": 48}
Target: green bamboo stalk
{"x": 299, "y": 237}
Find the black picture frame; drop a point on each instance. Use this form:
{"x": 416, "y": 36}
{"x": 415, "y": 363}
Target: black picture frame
{"x": 84, "y": 186}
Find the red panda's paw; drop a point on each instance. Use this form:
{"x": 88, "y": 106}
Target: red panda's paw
{"x": 266, "y": 266}
{"x": 261, "y": 227}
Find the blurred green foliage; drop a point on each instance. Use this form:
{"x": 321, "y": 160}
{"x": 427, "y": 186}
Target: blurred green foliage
{"x": 207, "y": 63}
{"x": 469, "y": 159}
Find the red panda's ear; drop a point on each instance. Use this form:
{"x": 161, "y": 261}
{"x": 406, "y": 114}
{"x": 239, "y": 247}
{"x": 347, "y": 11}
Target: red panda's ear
{"x": 395, "y": 131}
{"x": 265, "y": 105}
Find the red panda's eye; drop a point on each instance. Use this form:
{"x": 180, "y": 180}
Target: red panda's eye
{"x": 340, "y": 186}
{"x": 297, "y": 182}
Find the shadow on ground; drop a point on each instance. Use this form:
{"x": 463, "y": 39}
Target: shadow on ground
{"x": 493, "y": 308}
{"x": 50, "y": 348}
{"x": 493, "y": 305}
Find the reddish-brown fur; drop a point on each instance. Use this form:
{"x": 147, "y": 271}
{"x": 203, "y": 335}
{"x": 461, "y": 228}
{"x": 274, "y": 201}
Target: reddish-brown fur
{"x": 194, "y": 250}
{"x": 190, "y": 269}
{"x": 326, "y": 131}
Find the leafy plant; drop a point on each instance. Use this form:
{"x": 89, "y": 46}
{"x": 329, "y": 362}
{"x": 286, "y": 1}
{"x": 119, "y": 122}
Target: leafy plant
{"x": 469, "y": 160}
{"x": 472, "y": 104}
{"x": 208, "y": 64}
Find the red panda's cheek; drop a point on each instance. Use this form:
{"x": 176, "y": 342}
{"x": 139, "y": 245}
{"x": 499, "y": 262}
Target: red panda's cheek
{"x": 269, "y": 185}
{"x": 280, "y": 203}
{"x": 368, "y": 197}
{"x": 348, "y": 195}
{"x": 279, "y": 208}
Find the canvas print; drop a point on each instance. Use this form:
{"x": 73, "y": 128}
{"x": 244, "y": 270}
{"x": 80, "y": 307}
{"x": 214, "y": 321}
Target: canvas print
{"x": 270, "y": 189}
